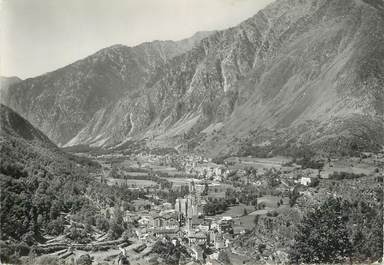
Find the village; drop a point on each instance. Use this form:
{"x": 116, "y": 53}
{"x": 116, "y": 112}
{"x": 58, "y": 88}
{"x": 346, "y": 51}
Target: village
{"x": 203, "y": 207}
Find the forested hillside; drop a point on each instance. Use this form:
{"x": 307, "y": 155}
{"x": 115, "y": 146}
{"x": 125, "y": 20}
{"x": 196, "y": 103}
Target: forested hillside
{"x": 40, "y": 185}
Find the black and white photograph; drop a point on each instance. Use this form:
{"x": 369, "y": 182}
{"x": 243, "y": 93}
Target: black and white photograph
{"x": 191, "y": 132}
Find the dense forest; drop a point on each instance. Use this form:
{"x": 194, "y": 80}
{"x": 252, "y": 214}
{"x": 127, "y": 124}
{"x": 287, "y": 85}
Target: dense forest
{"x": 40, "y": 186}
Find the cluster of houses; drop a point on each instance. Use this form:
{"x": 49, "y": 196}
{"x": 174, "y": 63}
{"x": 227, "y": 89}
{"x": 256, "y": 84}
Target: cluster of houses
{"x": 184, "y": 221}
{"x": 191, "y": 164}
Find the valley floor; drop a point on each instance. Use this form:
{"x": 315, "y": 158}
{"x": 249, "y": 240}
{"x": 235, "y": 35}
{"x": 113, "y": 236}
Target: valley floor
{"x": 245, "y": 210}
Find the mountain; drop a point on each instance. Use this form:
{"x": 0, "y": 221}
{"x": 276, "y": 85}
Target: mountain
{"x": 18, "y": 136}
{"x": 62, "y": 102}
{"x": 13, "y": 125}
{"x": 5, "y": 82}
{"x": 298, "y": 72}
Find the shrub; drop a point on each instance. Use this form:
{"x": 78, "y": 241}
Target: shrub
{"x": 272, "y": 214}
{"x": 261, "y": 248}
{"x": 79, "y": 235}
{"x": 115, "y": 230}
{"x": 85, "y": 259}
{"x": 314, "y": 182}
{"x": 55, "y": 227}
{"x": 102, "y": 223}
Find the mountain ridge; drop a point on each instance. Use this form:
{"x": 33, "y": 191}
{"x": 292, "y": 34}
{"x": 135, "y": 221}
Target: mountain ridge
{"x": 14, "y": 125}
{"x": 85, "y": 82}
{"x": 298, "y": 69}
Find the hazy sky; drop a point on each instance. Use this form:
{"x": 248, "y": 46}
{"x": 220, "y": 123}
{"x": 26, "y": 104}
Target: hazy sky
{"x": 38, "y": 36}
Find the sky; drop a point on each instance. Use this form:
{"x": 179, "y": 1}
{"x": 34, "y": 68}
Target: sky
{"x": 38, "y": 36}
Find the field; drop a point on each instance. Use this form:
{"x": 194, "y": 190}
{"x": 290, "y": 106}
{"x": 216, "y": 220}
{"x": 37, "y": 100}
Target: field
{"x": 242, "y": 162}
{"x": 132, "y": 182}
{"x": 136, "y": 174}
{"x": 247, "y": 221}
{"x": 164, "y": 169}
{"x": 237, "y": 210}
{"x": 153, "y": 166}
{"x": 350, "y": 166}
{"x": 177, "y": 182}
{"x": 270, "y": 203}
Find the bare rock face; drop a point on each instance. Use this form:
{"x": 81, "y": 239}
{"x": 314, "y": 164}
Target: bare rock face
{"x": 312, "y": 71}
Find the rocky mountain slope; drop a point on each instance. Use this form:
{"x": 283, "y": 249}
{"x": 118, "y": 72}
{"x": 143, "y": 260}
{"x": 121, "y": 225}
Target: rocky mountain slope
{"x": 5, "y": 82}
{"x": 299, "y": 71}
{"x": 62, "y": 102}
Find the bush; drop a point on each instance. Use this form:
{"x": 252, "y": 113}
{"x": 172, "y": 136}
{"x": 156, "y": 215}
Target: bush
{"x": 215, "y": 207}
{"x": 272, "y": 214}
{"x": 79, "y": 235}
{"x": 314, "y": 182}
{"x": 307, "y": 162}
{"x": 22, "y": 248}
{"x": 169, "y": 252}
{"x": 84, "y": 260}
{"x": 261, "y": 206}
{"x": 115, "y": 230}
{"x": 29, "y": 238}
{"x": 55, "y": 227}
{"x": 7, "y": 253}
{"x": 293, "y": 196}
{"x": 102, "y": 223}
{"x": 261, "y": 248}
